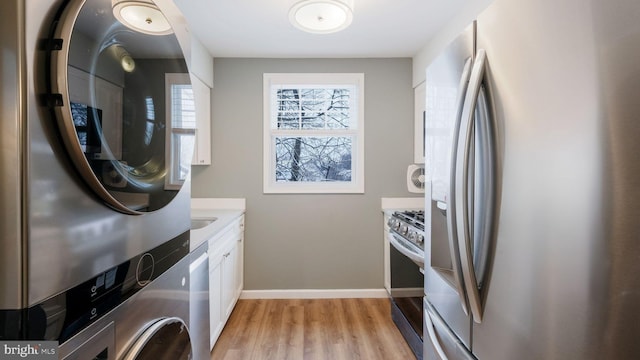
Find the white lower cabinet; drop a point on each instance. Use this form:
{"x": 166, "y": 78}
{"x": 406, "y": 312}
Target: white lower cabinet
{"x": 228, "y": 278}
{"x": 239, "y": 260}
{"x": 215, "y": 299}
{"x": 225, "y": 275}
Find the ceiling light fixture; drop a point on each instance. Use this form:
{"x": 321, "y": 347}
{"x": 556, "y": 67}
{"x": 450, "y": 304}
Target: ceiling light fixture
{"x": 142, "y": 16}
{"x": 321, "y": 16}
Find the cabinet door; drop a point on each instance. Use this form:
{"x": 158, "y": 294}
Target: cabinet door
{"x": 387, "y": 254}
{"x": 202, "y": 93}
{"x": 228, "y": 278}
{"x": 240, "y": 259}
{"x": 420, "y": 95}
{"x": 239, "y": 262}
{"x": 216, "y": 322}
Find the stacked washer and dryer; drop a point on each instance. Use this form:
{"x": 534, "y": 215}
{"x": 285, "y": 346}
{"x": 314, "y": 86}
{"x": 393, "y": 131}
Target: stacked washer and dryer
{"x": 95, "y": 221}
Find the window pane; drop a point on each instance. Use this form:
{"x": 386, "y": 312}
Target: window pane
{"x": 289, "y": 120}
{"x": 338, "y": 120}
{"x": 312, "y": 120}
{"x": 183, "y": 107}
{"x": 288, "y": 93}
{"x": 314, "y": 107}
{"x": 288, "y": 105}
{"x": 182, "y": 153}
{"x": 313, "y": 159}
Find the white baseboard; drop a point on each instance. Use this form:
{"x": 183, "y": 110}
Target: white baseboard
{"x": 314, "y": 294}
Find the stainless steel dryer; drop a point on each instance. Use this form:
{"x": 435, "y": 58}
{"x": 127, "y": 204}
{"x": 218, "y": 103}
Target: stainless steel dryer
{"x": 94, "y": 161}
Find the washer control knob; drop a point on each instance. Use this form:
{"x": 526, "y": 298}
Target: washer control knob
{"x": 144, "y": 270}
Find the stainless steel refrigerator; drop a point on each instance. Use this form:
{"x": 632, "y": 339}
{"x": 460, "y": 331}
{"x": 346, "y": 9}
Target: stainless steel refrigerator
{"x": 533, "y": 157}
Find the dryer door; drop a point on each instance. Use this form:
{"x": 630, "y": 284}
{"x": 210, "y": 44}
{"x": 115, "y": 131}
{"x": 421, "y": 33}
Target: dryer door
{"x": 122, "y": 96}
{"x": 167, "y": 339}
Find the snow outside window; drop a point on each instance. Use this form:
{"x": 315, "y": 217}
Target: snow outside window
{"x": 181, "y": 128}
{"x": 313, "y": 133}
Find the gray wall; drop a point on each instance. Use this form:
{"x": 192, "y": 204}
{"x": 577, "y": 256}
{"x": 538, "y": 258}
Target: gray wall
{"x": 309, "y": 241}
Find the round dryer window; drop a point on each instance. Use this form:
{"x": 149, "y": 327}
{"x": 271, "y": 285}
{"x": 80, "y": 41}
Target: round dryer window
{"x": 123, "y": 101}
{"x": 167, "y": 339}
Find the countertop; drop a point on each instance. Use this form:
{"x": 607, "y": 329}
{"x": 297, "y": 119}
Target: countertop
{"x": 202, "y": 210}
{"x": 392, "y": 204}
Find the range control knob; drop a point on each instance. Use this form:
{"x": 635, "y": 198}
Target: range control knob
{"x": 396, "y": 225}
{"x": 420, "y": 238}
{"x": 404, "y": 229}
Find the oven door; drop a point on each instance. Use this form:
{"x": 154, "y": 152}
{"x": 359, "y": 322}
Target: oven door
{"x": 408, "y": 249}
{"x": 406, "y": 294}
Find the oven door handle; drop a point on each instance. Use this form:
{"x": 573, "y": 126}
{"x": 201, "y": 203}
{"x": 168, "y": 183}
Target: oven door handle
{"x": 405, "y": 249}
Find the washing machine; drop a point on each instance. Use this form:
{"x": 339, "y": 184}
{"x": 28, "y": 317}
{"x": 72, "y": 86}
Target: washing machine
{"x": 150, "y": 324}
{"x": 96, "y": 136}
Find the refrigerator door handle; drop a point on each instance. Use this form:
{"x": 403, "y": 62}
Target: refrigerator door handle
{"x": 451, "y": 200}
{"x": 463, "y": 202}
{"x": 486, "y": 186}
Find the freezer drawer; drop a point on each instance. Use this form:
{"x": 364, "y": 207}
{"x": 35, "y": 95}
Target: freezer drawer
{"x": 440, "y": 343}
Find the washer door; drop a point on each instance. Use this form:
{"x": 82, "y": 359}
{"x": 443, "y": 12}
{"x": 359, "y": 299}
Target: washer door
{"x": 123, "y": 101}
{"x": 167, "y": 339}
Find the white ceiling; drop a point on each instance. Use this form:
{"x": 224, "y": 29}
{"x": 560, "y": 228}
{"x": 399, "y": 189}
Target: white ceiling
{"x": 261, "y": 28}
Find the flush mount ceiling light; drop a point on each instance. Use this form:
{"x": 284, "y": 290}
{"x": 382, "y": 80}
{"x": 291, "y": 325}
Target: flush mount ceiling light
{"x": 322, "y": 16}
{"x": 142, "y": 16}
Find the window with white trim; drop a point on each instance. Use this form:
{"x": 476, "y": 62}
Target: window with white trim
{"x": 313, "y": 133}
{"x": 181, "y": 128}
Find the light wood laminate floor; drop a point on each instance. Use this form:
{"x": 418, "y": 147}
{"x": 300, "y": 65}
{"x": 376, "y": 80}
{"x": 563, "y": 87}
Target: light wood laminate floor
{"x": 311, "y": 329}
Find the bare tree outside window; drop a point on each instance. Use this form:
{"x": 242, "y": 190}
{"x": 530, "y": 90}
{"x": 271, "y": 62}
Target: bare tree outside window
{"x": 313, "y": 133}
{"x": 313, "y": 158}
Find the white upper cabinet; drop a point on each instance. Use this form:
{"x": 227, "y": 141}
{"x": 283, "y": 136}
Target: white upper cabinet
{"x": 202, "y": 94}
{"x": 201, "y": 62}
{"x": 420, "y": 93}
{"x": 201, "y": 67}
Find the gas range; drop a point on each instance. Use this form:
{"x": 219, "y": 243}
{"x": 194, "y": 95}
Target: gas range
{"x": 409, "y": 225}
{"x": 406, "y": 235}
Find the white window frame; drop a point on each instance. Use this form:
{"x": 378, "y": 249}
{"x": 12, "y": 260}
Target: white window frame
{"x": 271, "y": 81}
{"x": 171, "y": 181}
